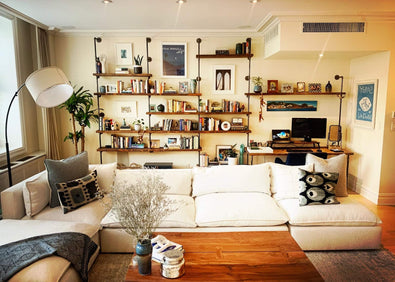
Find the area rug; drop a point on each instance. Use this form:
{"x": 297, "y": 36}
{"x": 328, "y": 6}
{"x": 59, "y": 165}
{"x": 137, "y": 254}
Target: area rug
{"x": 370, "y": 265}
{"x": 375, "y": 265}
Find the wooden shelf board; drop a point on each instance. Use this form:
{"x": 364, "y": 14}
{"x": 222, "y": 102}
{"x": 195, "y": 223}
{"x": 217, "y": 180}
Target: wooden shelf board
{"x": 295, "y": 93}
{"x": 198, "y": 113}
{"x": 170, "y": 131}
{"x": 151, "y": 150}
{"x": 149, "y": 94}
{"x": 123, "y": 74}
{"x": 212, "y": 56}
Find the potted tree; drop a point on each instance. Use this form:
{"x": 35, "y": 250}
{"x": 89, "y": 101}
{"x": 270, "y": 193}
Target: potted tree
{"x": 231, "y": 155}
{"x": 137, "y": 68}
{"x": 257, "y": 80}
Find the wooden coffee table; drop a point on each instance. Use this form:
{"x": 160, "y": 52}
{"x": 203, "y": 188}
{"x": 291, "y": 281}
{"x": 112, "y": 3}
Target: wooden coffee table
{"x": 235, "y": 256}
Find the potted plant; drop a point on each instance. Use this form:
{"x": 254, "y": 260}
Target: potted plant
{"x": 231, "y": 155}
{"x": 257, "y": 80}
{"x": 138, "y": 123}
{"x": 137, "y": 68}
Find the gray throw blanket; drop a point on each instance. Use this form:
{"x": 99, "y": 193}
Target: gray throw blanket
{"x": 75, "y": 247}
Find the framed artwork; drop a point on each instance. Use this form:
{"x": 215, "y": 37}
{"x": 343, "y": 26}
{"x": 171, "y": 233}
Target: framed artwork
{"x": 272, "y": 86}
{"x": 224, "y": 79}
{"x": 301, "y": 87}
{"x": 174, "y": 60}
{"x": 152, "y": 108}
{"x": 125, "y": 109}
{"x": 287, "y": 106}
{"x": 315, "y": 87}
{"x": 155, "y": 143}
{"x": 221, "y": 153}
{"x": 124, "y": 56}
{"x": 183, "y": 87}
{"x": 287, "y": 88}
{"x": 365, "y": 103}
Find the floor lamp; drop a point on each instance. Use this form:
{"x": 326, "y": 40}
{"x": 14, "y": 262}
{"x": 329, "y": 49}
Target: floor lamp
{"x": 49, "y": 88}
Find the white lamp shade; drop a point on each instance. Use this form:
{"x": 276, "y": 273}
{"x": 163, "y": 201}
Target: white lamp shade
{"x": 49, "y": 87}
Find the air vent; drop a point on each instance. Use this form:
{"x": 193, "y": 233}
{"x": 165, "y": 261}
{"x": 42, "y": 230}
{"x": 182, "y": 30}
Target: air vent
{"x": 270, "y": 34}
{"x": 334, "y": 27}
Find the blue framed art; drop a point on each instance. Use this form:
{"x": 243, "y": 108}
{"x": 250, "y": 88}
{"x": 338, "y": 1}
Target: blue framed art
{"x": 365, "y": 106}
{"x": 286, "y": 106}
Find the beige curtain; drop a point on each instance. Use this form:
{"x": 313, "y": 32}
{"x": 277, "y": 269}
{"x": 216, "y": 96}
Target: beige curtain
{"x": 51, "y": 132}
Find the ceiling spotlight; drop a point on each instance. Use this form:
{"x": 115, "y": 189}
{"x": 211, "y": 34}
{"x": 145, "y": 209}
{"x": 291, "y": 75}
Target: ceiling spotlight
{"x": 321, "y": 55}
{"x": 181, "y": 1}
{"x": 107, "y": 1}
{"x": 254, "y": 1}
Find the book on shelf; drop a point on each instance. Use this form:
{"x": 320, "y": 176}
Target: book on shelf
{"x": 160, "y": 245}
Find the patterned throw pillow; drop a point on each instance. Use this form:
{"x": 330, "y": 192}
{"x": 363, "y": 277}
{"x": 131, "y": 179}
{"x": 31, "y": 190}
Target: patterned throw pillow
{"x": 317, "y": 188}
{"x": 76, "y": 193}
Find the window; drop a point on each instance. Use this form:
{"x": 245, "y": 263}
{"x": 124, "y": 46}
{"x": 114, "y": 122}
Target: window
{"x": 8, "y": 86}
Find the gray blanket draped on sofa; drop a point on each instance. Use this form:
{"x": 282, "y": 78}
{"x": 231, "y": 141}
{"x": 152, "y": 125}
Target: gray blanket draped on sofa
{"x": 75, "y": 247}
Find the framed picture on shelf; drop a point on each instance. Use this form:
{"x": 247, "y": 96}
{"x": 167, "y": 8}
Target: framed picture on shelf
{"x": 152, "y": 108}
{"x": 224, "y": 79}
{"x": 272, "y": 86}
{"x": 174, "y": 59}
{"x": 183, "y": 87}
{"x": 221, "y": 153}
{"x": 315, "y": 87}
{"x": 173, "y": 142}
{"x": 287, "y": 88}
{"x": 124, "y": 56}
{"x": 155, "y": 143}
{"x": 365, "y": 103}
{"x": 301, "y": 87}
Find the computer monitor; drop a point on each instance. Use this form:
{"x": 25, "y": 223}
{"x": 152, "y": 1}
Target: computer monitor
{"x": 308, "y": 128}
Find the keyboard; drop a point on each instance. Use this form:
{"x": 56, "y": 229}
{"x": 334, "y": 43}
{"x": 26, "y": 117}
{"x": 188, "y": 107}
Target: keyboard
{"x": 299, "y": 150}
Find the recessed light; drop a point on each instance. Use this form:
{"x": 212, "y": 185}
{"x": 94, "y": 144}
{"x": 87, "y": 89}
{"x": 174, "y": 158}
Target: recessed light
{"x": 107, "y": 1}
{"x": 321, "y": 55}
{"x": 254, "y": 1}
{"x": 181, "y": 1}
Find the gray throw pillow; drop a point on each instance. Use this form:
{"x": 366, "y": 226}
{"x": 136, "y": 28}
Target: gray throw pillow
{"x": 65, "y": 170}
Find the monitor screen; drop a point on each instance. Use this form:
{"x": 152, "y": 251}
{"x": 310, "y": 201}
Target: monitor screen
{"x": 308, "y": 128}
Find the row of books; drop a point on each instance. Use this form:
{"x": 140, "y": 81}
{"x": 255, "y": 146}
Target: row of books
{"x": 209, "y": 124}
{"x": 191, "y": 142}
{"x": 124, "y": 142}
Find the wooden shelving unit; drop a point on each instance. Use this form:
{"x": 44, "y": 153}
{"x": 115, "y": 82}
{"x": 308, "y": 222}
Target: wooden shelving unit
{"x": 230, "y": 56}
{"x": 296, "y": 93}
{"x": 150, "y": 150}
{"x": 122, "y": 75}
{"x": 198, "y": 113}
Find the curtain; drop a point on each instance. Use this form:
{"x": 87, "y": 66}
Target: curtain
{"x": 51, "y": 132}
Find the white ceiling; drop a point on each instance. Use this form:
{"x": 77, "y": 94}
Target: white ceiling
{"x": 194, "y": 15}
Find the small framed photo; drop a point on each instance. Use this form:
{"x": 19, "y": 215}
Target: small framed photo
{"x": 272, "y": 86}
{"x": 173, "y": 142}
{"x": 287, "y": 88}
{"x": 124, "y": 56}
{"x": 315, "y": 87}
{"x": 152, "y": 108}
{"x": 301, "y": 87}
{"x": 365, "y": 103}
{"x": 174, "y": 59}
{"x": 224, "y": 79}
{"x": 155, "y": 143}
{"x": 183, "y": 87}
{"x": 111, "y": 88}
{"x": 221, "y": 153}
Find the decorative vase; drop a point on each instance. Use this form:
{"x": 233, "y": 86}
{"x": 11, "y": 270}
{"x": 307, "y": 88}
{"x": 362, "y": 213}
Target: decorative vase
{"x": 328, "y": 87}
{"x": 257, "y": 89}
{"x": 143, "y": 254}
{"x": 193, "y": 85}
{"x": 137, "y": 69}
{"x": 137, "y": 127}
{"x": 160, "y": 108}
{"x": 232, "y": 161}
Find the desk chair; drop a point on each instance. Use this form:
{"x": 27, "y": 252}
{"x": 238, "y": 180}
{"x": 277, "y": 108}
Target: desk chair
{"x": 298, "y": 158}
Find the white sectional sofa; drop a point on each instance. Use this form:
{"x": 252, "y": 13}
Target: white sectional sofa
{"x": 218, "y": 199}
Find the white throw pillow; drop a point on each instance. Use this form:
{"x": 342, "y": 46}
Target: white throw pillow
{"x": 238, "y": 209}
{"x": 335, "y": 164}
{"x": 105, "y": 175}
{"x": 36, "y": 194}
{"x": 240, "y": 178}
{"x": 178, "y": 180}
{"x": 285, "y": 180}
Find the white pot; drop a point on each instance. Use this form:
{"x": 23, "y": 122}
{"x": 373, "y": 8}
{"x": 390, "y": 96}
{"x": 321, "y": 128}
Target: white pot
{"x": 137, "y": 127}
{"x": 232, "y": 161}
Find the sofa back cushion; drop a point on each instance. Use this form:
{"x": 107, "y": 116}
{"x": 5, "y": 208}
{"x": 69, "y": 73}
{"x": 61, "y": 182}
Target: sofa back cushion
{"x": 178, "y": 180}
{"x": 36, "y": 194}
{"x": 105, "y": 175}
{"x": 224, "y": 179}
{"x": 238, "y": 209}
{"x": 285, "y": 180}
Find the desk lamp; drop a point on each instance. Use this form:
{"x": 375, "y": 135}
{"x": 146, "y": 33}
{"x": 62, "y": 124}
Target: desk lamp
{"x": 49, "y": 88}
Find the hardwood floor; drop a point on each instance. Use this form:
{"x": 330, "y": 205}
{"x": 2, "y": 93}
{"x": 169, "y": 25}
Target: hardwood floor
{"x": 387, "y": 216}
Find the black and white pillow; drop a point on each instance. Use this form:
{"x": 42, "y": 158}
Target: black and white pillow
{"x": 76, "y": 193}
{"x": 317, "y": 188}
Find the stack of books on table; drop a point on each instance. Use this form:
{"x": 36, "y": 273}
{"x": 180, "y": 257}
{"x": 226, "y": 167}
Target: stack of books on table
{"x": 160, "y": 245}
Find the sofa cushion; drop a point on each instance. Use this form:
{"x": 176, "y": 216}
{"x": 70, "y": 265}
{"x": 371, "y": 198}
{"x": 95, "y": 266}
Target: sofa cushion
{"x": 105, "y": 175}
{"x": 317, "y": 188}
{"x": 91, "y": 213}
{"x": 184, "y": 216}
{"x": 349, "y": 213}
{"x": 78, "y": 192}
{"x": 36, "y": 194}
{"x": 178, "y": 180}
{"x": 238, "y": 209}
{"x": 240, "y": 178}
{"x": 335, "y": 164}
{"x": 285, "y": 180}
{"x": 65, "y": 170}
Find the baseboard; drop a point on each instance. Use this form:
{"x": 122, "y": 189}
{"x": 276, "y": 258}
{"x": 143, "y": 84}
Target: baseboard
{"x": 386, "y": 199}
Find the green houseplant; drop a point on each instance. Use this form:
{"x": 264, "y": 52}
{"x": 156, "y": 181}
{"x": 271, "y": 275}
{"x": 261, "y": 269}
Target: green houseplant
{"x": 137, "y": 68}
{"x": 231, "y": 155}
{"x": 258, "y": 82}
{"x": 138, "y": 124}
{"x": 79, "y": 106}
